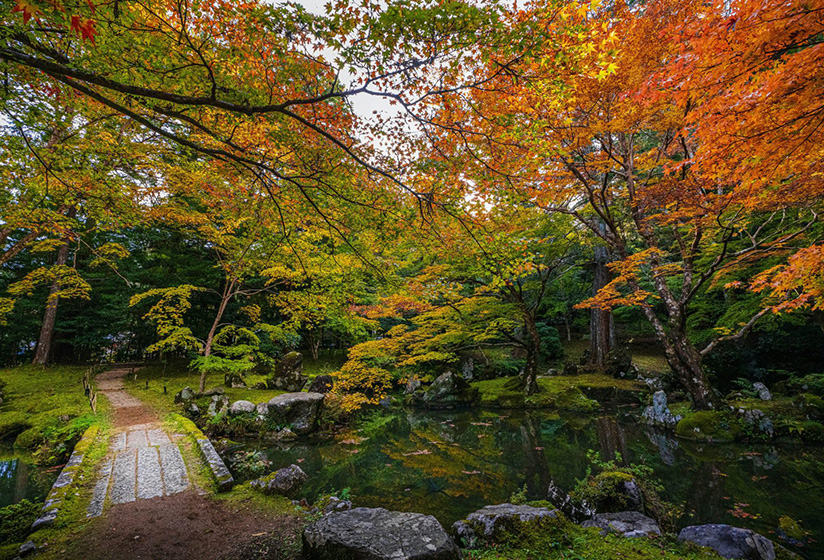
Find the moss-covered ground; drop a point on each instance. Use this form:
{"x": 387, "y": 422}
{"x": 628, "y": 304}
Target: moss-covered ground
{"x": 45, "y": 410}
{"x": 566, "y": 392}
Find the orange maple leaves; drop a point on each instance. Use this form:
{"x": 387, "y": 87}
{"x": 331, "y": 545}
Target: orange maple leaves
{"x": 84, "y": 27}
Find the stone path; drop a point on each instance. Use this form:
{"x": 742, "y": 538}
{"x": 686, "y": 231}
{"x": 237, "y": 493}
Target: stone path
{"x": 144, "y": 461}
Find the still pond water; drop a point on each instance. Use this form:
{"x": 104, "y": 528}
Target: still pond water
{"x": 449, "y": 464}
{"x": 20, "y": 479}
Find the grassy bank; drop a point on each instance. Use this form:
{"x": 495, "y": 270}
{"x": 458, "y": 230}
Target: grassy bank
{"x": 45, "y": 410}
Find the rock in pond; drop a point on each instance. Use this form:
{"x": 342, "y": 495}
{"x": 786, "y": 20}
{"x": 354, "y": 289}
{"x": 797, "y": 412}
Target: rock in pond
{"x": 288, "y": 374}
{"x": 659, "y": 413}
{"x": 300, "y": 411}
{"x": 242, "y": 407}
{"x": 378, "y": 534}
{"x": 283, "y": 481}
{"x": 449, "y": 390}
{"x": 486, "y": 524}
{"x": 625, "y": 523}
{"x": 730, "y": 542}
{"x": 321, "y": 384}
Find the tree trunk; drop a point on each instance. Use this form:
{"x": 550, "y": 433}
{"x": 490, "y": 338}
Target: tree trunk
{"x": 532, "y": 344}
{"x": 601, "y": 329}
{"x": 685, "y": 362}
{"x": 42, "y": 352}
{"x": 228, "y": 292}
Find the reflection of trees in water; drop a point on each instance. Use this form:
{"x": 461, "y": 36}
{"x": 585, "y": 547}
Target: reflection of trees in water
{"x": 536, "y": 468}
{"x": 611, "y": 438}
{"x": 705, "y": 502}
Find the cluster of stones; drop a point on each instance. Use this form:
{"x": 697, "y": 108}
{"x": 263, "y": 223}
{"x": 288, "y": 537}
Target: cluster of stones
{"x": 449, "y": 390}
{"x": 297, "y": 413}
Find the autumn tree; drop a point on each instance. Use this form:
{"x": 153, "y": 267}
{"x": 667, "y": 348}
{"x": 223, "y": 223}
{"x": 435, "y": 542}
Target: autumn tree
{"x": 602, "y": 148}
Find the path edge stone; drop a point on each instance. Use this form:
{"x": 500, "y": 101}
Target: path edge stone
{"x": 221, "y": 475}
{"x": 65, "y": 481}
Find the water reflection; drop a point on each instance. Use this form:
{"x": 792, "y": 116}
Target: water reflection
{"x": 20, "y": 479}
{"x": 450, "y": 463}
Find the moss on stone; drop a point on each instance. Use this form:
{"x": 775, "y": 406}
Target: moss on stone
{"x": 553, "y": 538}
{"x": 708, "y": 425}
{"x": 574, "y": 399}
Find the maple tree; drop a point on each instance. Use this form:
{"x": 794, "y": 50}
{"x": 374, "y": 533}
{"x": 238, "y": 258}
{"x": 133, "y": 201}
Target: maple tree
{"x": 615, "y": 151}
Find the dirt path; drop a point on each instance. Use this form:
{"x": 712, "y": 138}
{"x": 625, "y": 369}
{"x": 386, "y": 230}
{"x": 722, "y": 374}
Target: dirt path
{"x": 150, "y": 508}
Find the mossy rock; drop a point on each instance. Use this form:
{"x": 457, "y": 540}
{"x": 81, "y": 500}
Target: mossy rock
{"x": 574, "y": 399}
{"x": 29, "y": 439}
{"x": 811, "y": 405}
{"x": 791, "y": 528}
{"x": 708, "y": 425}
{"x": 12, "y": 424}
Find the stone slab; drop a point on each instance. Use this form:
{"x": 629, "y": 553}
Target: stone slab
{"x": 137, "y": 438}
{"x": 157, "y": 437}
{"x": 222, "y": 476}
{"x": 101, "y": 487}
{"x": 124, "y": 475}
{"x": 149, "y": 476}
{"x": 118, "y": 442}
{"x": 175, "y": 478}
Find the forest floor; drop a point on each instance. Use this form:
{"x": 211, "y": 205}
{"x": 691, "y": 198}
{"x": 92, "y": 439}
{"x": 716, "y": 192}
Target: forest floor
{"x": 154, "y": 512}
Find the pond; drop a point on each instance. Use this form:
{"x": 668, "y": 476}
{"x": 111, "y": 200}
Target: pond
{"x": 449, "y": 464}
{"x": 21, "y": 479}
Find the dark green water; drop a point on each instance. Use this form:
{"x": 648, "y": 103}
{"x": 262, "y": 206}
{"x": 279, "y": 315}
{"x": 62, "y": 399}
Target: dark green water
{"x": 449, "y": 464}
{"x": 21, "y": 479}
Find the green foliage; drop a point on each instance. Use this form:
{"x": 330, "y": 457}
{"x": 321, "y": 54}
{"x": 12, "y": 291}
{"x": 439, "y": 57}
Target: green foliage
{"x": 16, "y": 520}
{"x": 519, "y": 496}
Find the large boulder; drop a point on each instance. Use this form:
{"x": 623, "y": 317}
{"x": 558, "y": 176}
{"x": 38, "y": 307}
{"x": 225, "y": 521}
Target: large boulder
{"x": 285, "y": 482}
{"x": 288, "y": 374}
{"x": 377, "y": 534}
{"x": 730, "y": 542}
{"x": 449, "y": 390}
{"x": 659, "y": 413}
{"x": 300, "y": 411}
{"x": 321, "y": 384}
{"x": 242, "y": 407}
{"x": 488, "y": 523}
{"x": 624, "y": 523}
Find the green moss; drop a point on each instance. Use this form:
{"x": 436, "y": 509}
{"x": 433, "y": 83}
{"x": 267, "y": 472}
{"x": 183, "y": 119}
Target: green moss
{"x": 551, "y": 539}
{"x": 47, "y": 409}
{"x": 16, "y": 520}
{"x": 708, "y": 425}
{"x": 568, "y": 392}
{"x": 13, "y": 423}
{"x": 575, "y": 400}
{"x": 791, "y": 528}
